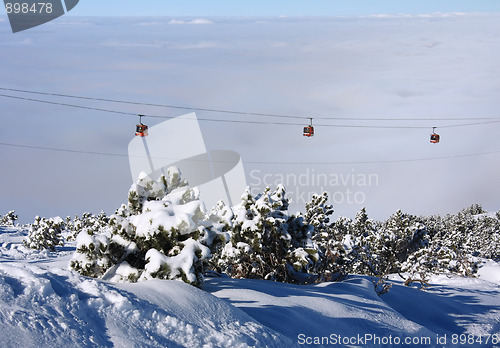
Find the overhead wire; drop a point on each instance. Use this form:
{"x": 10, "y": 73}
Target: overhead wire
{"x": 259, "y": 162}
{"x": 490, "y": 121}
{"x": 199, "y": 118}
{"x": 241, "y": 121}
{"x": 236, "y": 112}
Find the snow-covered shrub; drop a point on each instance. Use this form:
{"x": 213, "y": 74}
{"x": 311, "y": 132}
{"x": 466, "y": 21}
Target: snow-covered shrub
{"x": 405, "y": 243}
{"x": 8, "y": 219}
{"x": 265, "y": 242}
{"x": 399, "y": 236}
{"x": 356, "y": 244}
{"x": 328, "y": 262}
{"x": 259, "y": 240}
{"x": 439, "y": 259}
{"x": 484, "y": 241}
{"x": 92, "y": 257}
{"x": 45, "y": 234}
{"x": 87, "y": 222}
{"x": 472, "y": 231}
{"x": 318, "y": 213}
{"x": 219, "y": 233}
{"x": 162, "y": 232}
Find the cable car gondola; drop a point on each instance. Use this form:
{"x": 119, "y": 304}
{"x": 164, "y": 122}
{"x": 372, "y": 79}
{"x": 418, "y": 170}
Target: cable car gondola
{"x": 309, "y": 130}
{"x": 141, "y": 129}
{"x": 434, "y": 136}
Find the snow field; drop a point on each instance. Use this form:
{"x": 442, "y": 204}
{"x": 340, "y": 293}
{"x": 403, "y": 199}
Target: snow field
{"x": 42, "y": 307}
{"x": 43, "y": 304}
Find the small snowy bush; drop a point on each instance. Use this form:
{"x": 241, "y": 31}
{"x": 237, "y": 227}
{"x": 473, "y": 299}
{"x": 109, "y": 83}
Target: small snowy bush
{"x": 8, "y": 219}
{"x": 439, "y": 259}
{"x": 45, "y": 234}
{"x": 87, "y": 222}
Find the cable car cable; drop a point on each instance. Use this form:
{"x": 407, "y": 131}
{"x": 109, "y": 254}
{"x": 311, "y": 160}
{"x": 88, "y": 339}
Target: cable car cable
{"x": 240, "y": 112}
{"x": 260, "y": 162}
{"x": 238, "y": 121}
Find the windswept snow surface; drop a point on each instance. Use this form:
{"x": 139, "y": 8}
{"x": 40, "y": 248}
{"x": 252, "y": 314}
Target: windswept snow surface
{"x": 43, "y": 304}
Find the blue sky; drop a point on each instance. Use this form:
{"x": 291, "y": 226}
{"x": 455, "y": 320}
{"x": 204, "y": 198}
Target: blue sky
{"x": 279, "y": 7}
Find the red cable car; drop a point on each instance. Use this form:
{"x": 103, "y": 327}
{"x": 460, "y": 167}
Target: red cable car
{"x": 434, "y": 136}
{"x": 309, "y": 130}
{"x": 141, "y": 129}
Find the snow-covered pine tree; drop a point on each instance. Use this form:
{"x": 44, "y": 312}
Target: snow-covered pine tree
{"x": 259, "y": 241}
{"x": 475, "y": 232}
{"x": 317, "y": 214}
{"x": 92, "y": 257}
{"x": 88, "y": 221}
{"x": 400, "y": 235}
{"x": 304, "y": 254}
{"x": 221, "y": 224}
{"x": 8, "y": 219}
{"x": 438, "y": 259}
{"x": 163, "y": 232}
{"x": 359, "y": 252}
{"x": 452, "y": 241}
{"x": 265, "y": 241}
{"x": 328, "y": 262}
{"x": 276, "y": 241}
{"x": 484, "y": 240}
{"x": 45, "y": 234}
{"x": 244, "y": 239}
{"x": 363, "y": 225}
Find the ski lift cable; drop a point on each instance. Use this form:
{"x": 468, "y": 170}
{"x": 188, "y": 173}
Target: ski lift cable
{"x": 380, "y": 161}
{"x": 200, "y": 119}
{"x": 238, "y": 121}
{"x": 258, "y": 162}
{"x": 240, "y": 112}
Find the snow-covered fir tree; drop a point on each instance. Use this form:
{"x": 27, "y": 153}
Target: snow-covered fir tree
{"x": 221, "y": 220}
{"x": 399, "y": 236}
{"x": 359, "y": 252}
{"x": 163, "y": 232}
{"x": 8, "y": 219}
{"x": 45, "y": 234}
{"x": 471, "y": 231}
{"x": 318, "y": 213}
{"x": 259, "y": 240}
{"x": 484, "y": 241}
{"x": 436, "y": 258}
{"x": 87, "y": 222}
{"x": 266, "y": 242}
{"x": 329, "y": 249}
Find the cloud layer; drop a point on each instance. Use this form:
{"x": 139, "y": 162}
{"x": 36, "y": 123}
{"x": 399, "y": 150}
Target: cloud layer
{"x": 445, "y": 66}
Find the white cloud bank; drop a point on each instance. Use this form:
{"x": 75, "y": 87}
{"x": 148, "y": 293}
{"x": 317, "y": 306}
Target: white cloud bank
{"x": 444, "y": 67}
{"x": 194, "y": 21}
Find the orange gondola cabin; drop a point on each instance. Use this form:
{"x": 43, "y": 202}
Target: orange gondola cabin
{"x": 434, "y": 137}
{"x": 141, "y": 129}
{"x": 309, "y": 130}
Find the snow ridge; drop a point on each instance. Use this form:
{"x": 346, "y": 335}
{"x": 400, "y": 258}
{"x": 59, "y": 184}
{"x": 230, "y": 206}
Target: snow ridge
{"x": 51, "y": 307}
